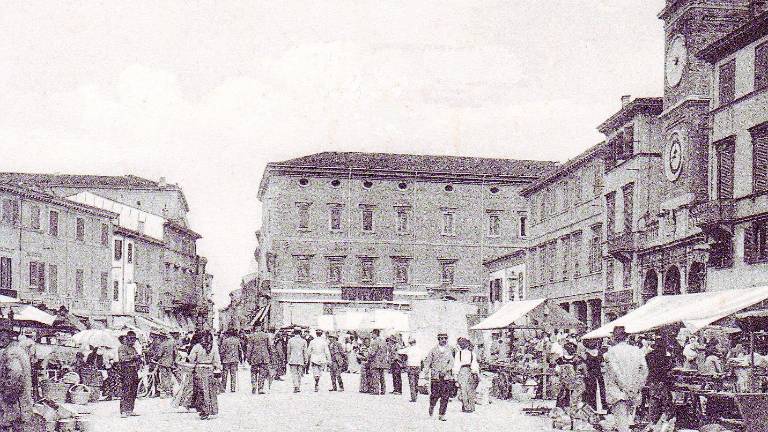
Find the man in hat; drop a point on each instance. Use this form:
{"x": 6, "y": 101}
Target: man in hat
{"x": 319, "y": 356}
{"x": 15, "y": 383}
{"x": 130, "y": 363}
{"x": 229, "y": 352}
{"x": 378, "y": 359}
{"x": 259, "y": 356}
{"x": 338, "y": 361}
{"x": 439, "y": 365}
{"x": 297, "y": 358}
{"x": 166, "y": 362}
{"x": 413, "y": 360}
{"x": 626, "y": 371}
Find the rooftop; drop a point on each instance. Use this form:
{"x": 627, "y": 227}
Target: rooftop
{"x": 34, "y": 193}
{"x": 127, "y": 181}
{"x": 734, "y": 41}
{"x": 647, "y": 105}
{"x": 77, "y": 180}
{"x": 410, "y": 163}
{"x": 550, "y": 177}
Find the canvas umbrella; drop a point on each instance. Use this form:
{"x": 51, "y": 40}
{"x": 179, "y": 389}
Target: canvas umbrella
{"x": 32, "y": 314}
{"x": 96, "y": 338}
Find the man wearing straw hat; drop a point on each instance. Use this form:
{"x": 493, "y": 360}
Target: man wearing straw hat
{"x": 439, "y": 366}
{"x": 15, "y": 383}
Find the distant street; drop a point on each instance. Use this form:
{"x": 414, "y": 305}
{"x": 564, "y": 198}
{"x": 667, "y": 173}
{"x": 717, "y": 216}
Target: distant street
{"x": 281, "y": 410}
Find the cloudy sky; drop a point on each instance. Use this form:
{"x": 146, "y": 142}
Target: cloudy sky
{"x": 205, "y": 93}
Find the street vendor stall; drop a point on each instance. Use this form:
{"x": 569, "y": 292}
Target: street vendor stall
{"x": 701, "y": 396}
{"x": 516, "y": 374}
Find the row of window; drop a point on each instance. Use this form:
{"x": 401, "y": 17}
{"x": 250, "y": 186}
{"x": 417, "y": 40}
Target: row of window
{"x": 45, "y": 277}
{"x": 367, "y": 269}
{"x": 559, "y": 259}
{"x": 727, "y": 75}
{"x": 403, "y": 218}
{"x": 11, "y": 216}
{"x": 568, "y": 193}
{"x": 725, "y": 153}
{"x": 368, "y": 184}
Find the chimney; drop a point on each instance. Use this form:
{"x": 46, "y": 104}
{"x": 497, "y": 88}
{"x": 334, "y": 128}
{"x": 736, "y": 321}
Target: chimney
{"x": 625, "y": 100}
{"x": 161, "y": 183}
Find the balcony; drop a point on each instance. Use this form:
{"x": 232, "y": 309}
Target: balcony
{"x": 621, "y": 245}
{"x": 711, "y": 215}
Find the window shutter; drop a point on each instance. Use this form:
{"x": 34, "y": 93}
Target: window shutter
{"x": 761, "y": 66}
{"x": 760, "y": 158}
{"x": 750, "y": 245}
{"x": 725, "y": 166}
{"x": 629, "y": 141}
{"x": 41, "y": 276}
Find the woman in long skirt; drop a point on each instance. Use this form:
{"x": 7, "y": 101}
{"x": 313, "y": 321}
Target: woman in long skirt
{"x": 466, "y": 369}
{"x": 205, "y": 359}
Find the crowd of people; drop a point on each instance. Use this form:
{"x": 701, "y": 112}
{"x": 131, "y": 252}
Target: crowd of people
{"x": 625, "y": 376}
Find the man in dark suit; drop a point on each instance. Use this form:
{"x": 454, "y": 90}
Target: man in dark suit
{"x": 378, "y": 359}
{"x": 259, "y": 355}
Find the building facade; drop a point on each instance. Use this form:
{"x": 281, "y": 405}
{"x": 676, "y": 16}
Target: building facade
{"x": 506, "y": 281}
{"x": 667, "y": 230}
{"x": 155, "y": 268}
{"x": 366, "y": 230}
{"x": 566, "y": 236}
{"x": 55, "y": 252}
{"x": 735, "y": 218}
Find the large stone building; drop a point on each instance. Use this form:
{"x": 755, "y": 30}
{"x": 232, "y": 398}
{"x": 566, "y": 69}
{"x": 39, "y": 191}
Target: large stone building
{"x": 364, "y": 230}
{"x": 566, "y": 236}
{"x": 55, "y": 252}
{"x": 154, "y": 268}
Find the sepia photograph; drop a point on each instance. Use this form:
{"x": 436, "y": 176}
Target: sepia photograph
{"x": 491, "y": 215}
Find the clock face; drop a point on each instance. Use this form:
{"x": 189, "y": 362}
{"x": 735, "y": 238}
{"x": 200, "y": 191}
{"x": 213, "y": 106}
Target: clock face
{"x": 677, "y": 56}
{"x": 673, "y": 158}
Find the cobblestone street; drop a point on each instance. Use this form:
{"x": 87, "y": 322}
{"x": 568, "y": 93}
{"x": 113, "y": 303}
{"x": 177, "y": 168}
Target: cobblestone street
{"x": 282, "y": 410}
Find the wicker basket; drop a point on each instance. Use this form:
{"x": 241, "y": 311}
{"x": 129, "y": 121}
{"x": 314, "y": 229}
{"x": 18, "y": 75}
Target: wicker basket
{"x": 79, "y": 394}
{"x": 54, "y": 391}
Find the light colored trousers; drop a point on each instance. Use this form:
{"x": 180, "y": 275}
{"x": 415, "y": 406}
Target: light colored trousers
{"x": 297, "y": 371}
{"x": 624, "y": 414}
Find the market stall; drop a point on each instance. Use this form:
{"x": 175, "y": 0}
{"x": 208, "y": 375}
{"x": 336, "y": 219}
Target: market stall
{"x": 525, "y": 370}
{"x": 710, "y": 373}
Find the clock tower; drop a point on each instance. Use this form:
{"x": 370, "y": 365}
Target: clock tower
{"x": 689, "y": 26}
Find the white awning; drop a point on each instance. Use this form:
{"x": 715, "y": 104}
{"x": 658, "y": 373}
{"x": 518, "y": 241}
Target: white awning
{"x": 536, "y": 312}
{"x": 694, "y": 311}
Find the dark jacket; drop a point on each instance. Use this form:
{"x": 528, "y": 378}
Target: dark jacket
{"x": 258, "y": 349}
{"x": 229, "y": 351}
{"x": 378, "y": 354}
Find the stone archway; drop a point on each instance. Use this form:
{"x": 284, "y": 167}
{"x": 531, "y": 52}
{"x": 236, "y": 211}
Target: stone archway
{"x": 697, "y": 277}
{"x": 672, "y": 281}
{"x": 650, "y": 286}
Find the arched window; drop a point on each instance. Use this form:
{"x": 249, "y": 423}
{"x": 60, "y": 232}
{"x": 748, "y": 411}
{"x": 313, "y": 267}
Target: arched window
{"x": 672, "y": 281}
{"x": 650, "y": 286}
